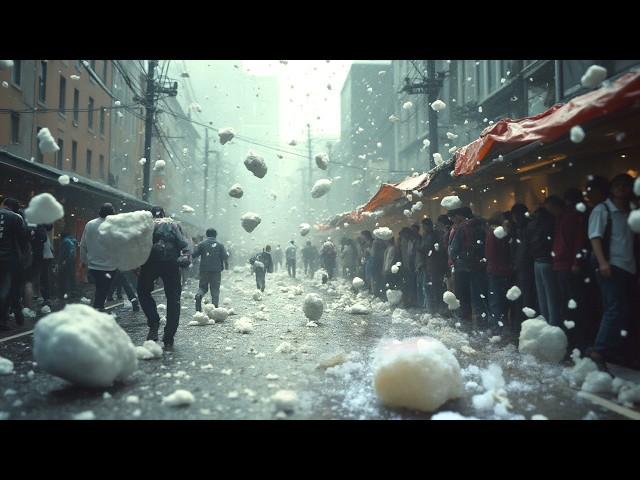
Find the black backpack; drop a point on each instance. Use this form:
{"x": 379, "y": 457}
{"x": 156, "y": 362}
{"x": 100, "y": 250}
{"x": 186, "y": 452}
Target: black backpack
{"x": 165, "y": 244}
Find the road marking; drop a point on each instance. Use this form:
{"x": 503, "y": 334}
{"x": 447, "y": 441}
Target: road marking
{"x": 614, "y": 407}
{"x": 29, "y": 332}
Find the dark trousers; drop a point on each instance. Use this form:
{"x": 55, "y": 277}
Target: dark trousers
{"x": 103, "y": 280}
{"x": 67, "y": 278}
{"x": 120, "y": 281}
{"x": 433, "y": 291}
{"x": 571, "y": 287}
{"x": 463, "y": 293}
{"x": 497, "y": 299}
{"x": 8, "y": 290}
{"x": 524, "y": 280}
{"x": 260, "y": 279}
{"x": 208, "y": 281}
{"x": 45, "y": 268}
{"x": 291, "y": 268}
{"x": 307, "y": 265}
{"x": 169, "y": 272}
{"x": 548, "y": 292}
{"x": 617, "y": 299}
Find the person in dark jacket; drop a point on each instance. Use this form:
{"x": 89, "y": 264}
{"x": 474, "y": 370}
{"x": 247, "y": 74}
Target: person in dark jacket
{"x": 213, "y": 260}
{"x": 349, "y": 256}
{"x": 328, "y": 256}
{"x": 290, "y": 255}
{"x": 13, "y": 241}
{"x": 378, "y": 248}
{"x": 67, "y": 265}
{"x": 262, "y": 263}
{"x": 539, "y": 244}
{"x": 521, "y": 264}
{"x": 309, "y": 258}
{"x": 499, "y": 273}
{"x": 168, "y": 244}
{"x": 435, "y": 266}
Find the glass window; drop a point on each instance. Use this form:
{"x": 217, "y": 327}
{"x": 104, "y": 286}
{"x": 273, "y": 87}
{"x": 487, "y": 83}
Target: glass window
{"x": 15, "y": 127}
{"x": 60, "y": 159}
{"x": 491, "y": 75}
{"x": 62, "y": 103}
{"x": 101, "y": 166}
{"x": 74, "y": 155}
{"x": 104, "y": 70}
{"x": 90, "y": 113}
{"x": 42, "y": 82}
{"x": 16, "y": 73}
{"x": 572, "y": 71}
{"x": 76, "y": 105}
{"x": 89, "y": 155}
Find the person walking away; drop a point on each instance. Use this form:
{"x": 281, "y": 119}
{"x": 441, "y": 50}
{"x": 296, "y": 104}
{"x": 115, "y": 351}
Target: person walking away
{"x": 262, "y": 263}
{"x": 539, "y": 244}
{"x": 124, "y": 280}
{"x": 435, "y": 266}
{"x": 328, "y": 256}
{"x": 277, "y": 258}
{"x": 168, "y": 245}
{"x": 290, "y": 254}
{"x": 67, "y": 265}
{"x": 468, "y": 252}
{"x": 13, "y": 243}
{"x": 613, "y": 246}
{"x": 97, "y": 258}
{"x": 213, "y": 260}
{"x": 499, "y": 274}
{"x": 569, "y": 251}
{"x": 307, "y": 255}
{"x": 349, "y": 258}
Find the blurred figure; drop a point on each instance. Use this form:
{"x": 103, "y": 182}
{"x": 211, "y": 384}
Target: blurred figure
{"x": 435, "y": 267}
{"x": 214, "y": 260}
{"x": 328, "y": 256}
{"x": 290, "y": 254}
{"x": 67, "y": 265}
{"x": 277, "y": 258}
{"x": 309, "y": 258}
{"x": 262, "y": 263}
{"x": 349, "y": 258}
{"x": 499, "y": 273}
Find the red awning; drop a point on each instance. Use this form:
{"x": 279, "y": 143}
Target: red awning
{"x": 390, "y": 192}
{"x": 507, "y": 135}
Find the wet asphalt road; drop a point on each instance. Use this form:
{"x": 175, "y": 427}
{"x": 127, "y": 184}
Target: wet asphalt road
{"x": 233, "y": 375}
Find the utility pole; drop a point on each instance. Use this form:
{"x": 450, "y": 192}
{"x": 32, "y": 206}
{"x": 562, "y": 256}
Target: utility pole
{"x": 216, "y": 184}
{"x": 206, "y": 170}
{"x": 150, "y": 106}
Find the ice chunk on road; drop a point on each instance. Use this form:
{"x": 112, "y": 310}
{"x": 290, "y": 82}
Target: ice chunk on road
{"x": 46, "y": 142}
{"x": 577, "y": 134}
{"x": 250, "y": 221}
{"x": 438, "y": 105}
{"x": 143, "y": 354}
{"x": 543, "y": 341}
{"x": 216, "y": 314}
{"x": 285, "y": 400}
{"x": 320, "y": 188}
{"x": 84, "y": 346}
{"x": 153, "y": 347}
{"x": 243, "y": 325}
{"x": 236, "y": 191}
{"x": 255, "y": 164}
{"x": 597, "y": 382}
{"x": 418, "y": 373}
{"x": 179, "y": 398}
{"x": 394, "y": 296}
{"x": 629, "y": 394}
{"x": 451, "y": 202}
{"x": 304, "y": 229}
{"x": 64, "y": 180}
{"x": 594, "y": 76}
{"x": 200, "y": 318}
{"x": 313, "y": 306}
{"x": 450, "y": 299}
{"x": 284, "y": 347}
{"x": 322, "y": 161}
{"x": 44, "y": 209}
{"x": 451, "y": 416}
{"x": 225, "y": 135}
{"x": 129, "y": 236}
{"x": 86, "y": 415}
{"x": 6, "y": 366}
{"x": 357, "y": 283}
{"x": 514, "y": 293}
{"x": 383, "y": 233}
{"x": 358, "y": 309}
{"x": 499, "y": 232}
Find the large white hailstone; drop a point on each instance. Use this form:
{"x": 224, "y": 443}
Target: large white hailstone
{"x": 46, "y": 142}
{"x": 407, "y": 105}
{"x": 64, "y": 180}
{"x": 576, "y": 134}
{"x": 236, "y": 191}
{"x": 418, "y": 373}
{"x": 383, "y": 233}
{"x": 243, "y": 325}
{"x": 320, "y": 188}
{"x": 529, "y": 312}
{"x": 407, "y": 213}
{"x": 358, "y": 309}
{"x": 6, "y": 366}
{"x": 581, "y": 368}
{"x": 437, "y": 158}
{"x": 597, "y": 382}
{"x": 357, "y": 283}
{"x": 44, "y": 209}
{"x": 201, "y": 318}
{"x": 285, "y": 400}
{"x": 284, "y": 347}
{"x": 451, "y": 136}
{"x": 256, "y": 165}
{"x": 129, "y": 236}
{"x": 450, "y": 299}
{"x": 304, "y": 229}
{"x": 313, "y": 306}
{"x": 322, "y": 160}
{"x": 393, "y": 118}
{"x": 250, "y": 221}
{"x": 417, "y": 207}
{"x": 594, "y": 76}
{"x": 438, "y": 105}
{"x": 581, "y": 207}
{"x": 179, "y": 398}
{"x": 499, "y": 232}
{"x": 451, "y": 202}
{"x": 6, "y": 64}
{"x": 225, "y": 135}
{"x": 219, "y": 314}
{"x": 159, "y": 165}
{"x": 634, "y": 221}
{"x": 636, "y": 187}
{"x": 514, "y": 293}
{"x": 84, "y": 346}
{"x": 495, "y": 396}
{"x": 453, "y": 149}
{"x": 394, "y": 296}
{"x": 543, "y": 341}
{"x": 187, "y": 209}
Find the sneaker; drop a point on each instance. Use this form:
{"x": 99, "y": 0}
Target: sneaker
{"x": 153, "y": 335}
{"x": 135, "y": 304}
{"x": 168, "y": 346}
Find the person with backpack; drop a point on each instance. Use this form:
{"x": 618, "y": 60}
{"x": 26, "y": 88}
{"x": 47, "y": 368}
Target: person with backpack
{"x": 164, "y": 262}
{"x": 290, "y": 254}
{"x": 467, "y": 249}
{"x": 613, "y": 247}
{"x": 213, "y": 260}
{"x": 67, "y": 265}
{"x": 328, "y": 256}
{"x": 262, "y": 263}
{"x": 97, "y": 258}
{"x": 13, "y": 243}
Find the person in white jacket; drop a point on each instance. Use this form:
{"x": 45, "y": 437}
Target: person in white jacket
{"x": 97, "y": 258}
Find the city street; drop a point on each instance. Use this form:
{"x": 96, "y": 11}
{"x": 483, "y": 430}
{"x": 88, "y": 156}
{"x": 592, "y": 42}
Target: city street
{"x": 233, "y": 375}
